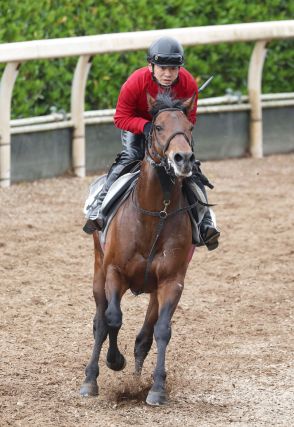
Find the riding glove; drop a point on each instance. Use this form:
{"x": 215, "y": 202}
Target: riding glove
{"x": 147, "y": 129}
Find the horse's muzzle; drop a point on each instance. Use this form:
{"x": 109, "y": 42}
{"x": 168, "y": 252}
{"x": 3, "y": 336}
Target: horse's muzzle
{"x": 182, "y": 163}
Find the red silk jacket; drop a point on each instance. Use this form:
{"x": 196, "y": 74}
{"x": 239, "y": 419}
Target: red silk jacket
{"x": 132, "y": 110}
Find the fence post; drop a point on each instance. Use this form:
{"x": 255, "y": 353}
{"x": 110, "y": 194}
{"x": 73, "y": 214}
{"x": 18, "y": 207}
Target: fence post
{"x": 77, "y": 115}
{"x": 254, "y": 93}
{"x": 6, "y": 88}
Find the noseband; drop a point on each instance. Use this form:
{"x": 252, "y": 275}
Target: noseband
{"x": 151, "y": 153}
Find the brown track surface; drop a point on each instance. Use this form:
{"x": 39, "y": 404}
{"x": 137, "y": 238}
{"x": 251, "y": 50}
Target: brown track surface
{"x": 230, "y": 359}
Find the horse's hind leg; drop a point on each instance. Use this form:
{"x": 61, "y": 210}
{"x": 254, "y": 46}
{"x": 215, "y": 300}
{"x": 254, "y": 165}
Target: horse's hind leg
{"x": 168, "y": 297}
{"x": 89, "y": 386}
{"x": 145, "y": 337}
{"x": 114, "y": 291}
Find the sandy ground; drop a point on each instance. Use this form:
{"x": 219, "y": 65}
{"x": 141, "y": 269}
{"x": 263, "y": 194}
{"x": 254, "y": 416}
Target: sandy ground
{"x": 230, "y": 360}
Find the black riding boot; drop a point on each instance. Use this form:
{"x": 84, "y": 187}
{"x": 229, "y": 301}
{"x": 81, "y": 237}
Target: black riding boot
{"x": 209, "y": 234}
{"x": 134, "y": 150}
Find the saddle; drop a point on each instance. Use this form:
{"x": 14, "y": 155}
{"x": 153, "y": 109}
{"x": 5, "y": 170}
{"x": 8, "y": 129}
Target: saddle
{"x": 116, "y": 195}
{"x": 119, "y": 192}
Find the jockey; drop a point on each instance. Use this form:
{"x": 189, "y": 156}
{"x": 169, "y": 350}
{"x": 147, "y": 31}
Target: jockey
{"x": 164, "y": 72}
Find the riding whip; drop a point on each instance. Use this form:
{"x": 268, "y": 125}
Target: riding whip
{"x": 205, "y": 84}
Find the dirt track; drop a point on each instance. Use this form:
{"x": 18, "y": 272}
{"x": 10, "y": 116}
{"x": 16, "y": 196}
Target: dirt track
{"x": 230, "y": 360}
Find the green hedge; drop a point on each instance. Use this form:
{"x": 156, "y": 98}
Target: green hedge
{"x": 42, "y": 85}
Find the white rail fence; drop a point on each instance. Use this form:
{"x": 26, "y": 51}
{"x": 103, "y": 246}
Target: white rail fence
{"x": 13, "y": 54}
{"x": 231, "y": 102}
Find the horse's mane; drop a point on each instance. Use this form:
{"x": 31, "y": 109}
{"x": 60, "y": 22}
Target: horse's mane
{"x": 165, "y": 100}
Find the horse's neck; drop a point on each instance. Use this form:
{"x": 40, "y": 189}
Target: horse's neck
{"x": 149, "y": 192}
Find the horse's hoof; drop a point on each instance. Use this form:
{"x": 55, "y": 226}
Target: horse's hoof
{"x": 117, "y": 366}
{"x": 156, "y": 398}
{"x": 89, "y": 389}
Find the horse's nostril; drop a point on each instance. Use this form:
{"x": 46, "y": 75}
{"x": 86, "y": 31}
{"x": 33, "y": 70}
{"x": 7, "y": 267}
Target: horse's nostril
{"x": 178, "y": 158}
{"x": 184, "y": 158}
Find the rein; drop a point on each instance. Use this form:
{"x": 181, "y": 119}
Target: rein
{"x": 166, "y": 178}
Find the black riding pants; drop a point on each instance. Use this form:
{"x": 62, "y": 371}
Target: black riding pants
{"x": 133, "y": 150}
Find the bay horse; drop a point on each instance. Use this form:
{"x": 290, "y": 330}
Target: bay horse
{"x": 147, "y": 247}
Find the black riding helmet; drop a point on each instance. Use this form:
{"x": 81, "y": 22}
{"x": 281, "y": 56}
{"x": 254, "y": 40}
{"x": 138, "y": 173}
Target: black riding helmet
{"x": 166, "y": 51}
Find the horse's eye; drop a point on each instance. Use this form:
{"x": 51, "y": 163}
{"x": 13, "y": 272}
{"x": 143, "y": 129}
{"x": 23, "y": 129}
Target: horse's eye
{"x": 191, "y": 128}
{"x": 158, "y": 128}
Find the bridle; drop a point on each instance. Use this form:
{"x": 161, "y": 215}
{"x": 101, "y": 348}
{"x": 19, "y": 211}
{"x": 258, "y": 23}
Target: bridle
{"x": 159, "y": 162}
{"x": 153, "y": 154}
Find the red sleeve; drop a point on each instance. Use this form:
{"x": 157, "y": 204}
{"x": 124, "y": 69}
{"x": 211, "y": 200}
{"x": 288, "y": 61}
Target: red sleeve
{"x": 126, "y": 116}
{"x": 131, "y": 109}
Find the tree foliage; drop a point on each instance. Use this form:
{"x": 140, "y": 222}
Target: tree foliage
{"x": 43, "y": 84}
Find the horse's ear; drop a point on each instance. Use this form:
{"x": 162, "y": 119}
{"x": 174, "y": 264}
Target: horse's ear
{"x": 150, "y": 101}
{"x": 189, "y": 104}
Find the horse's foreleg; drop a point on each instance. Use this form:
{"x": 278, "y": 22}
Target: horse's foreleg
{"x": 90, "y": 386}
{"x": 168, "y": 297}
{"x": 100, "y": 329}
{"x": 115, "y": 289}
{"x": 145, "y": 337}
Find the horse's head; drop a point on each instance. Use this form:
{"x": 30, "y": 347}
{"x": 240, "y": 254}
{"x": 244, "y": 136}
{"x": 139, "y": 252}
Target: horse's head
{"x": 170, "y": 139}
